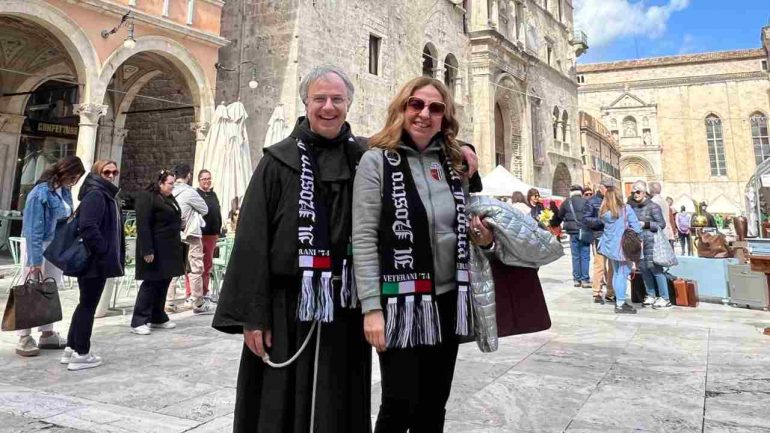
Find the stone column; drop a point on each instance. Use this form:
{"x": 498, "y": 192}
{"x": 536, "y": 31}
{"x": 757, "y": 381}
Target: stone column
{"x": 118, "y": 138}
{"x": 483, "y": 117}
{"x": 10, "y": 134}
{"x": 201, "y": 129}
{"x": 89, "y": 124}
{"x": 479, "y": 15}
{"x": 104, "y": 140}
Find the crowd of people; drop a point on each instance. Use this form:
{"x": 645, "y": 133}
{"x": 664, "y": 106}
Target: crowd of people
{"x": 311, "y": 269}
{"x": 174, "y": 238}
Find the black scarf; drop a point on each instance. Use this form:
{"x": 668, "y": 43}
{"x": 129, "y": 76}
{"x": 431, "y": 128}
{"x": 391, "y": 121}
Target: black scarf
{"x": 407, "y": 274}
{"x": 316, "y": 300}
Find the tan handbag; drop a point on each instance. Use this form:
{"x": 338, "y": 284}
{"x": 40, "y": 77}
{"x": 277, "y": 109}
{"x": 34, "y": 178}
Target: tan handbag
{"x": 712, "y": 245}
{"x": 34, "y": 303}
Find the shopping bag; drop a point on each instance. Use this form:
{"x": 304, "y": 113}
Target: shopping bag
{"x": 663, "y": 253}
{"x": 34, "y": 303}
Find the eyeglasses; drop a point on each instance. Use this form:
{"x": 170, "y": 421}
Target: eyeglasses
{"x": 205, "y": 179}
{"x": 110, "y": 172}
{"x": 435, "y": 108}
{"x": 337, "y": 101}
{"x": 588, "y": 194}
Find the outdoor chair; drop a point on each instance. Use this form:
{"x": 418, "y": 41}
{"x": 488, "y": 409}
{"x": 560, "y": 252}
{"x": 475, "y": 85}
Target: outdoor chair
{"x": 14, "y": 244}
{"x": 220, "y": 264}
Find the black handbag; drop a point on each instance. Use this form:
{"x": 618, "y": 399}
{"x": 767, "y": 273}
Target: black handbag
{"x": 34, "y": 303}
{"x": 67, "y": 250}
{"x": 585, "y": 236}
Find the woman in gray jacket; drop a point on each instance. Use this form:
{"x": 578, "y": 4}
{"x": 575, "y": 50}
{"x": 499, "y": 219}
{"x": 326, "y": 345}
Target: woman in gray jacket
{"x": 410, "y": 251}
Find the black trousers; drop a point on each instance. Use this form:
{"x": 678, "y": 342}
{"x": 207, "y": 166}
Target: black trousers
{"x": 79, "y": 335}
{"x": 416, "y": 382}
{"x": 150, "y": 302}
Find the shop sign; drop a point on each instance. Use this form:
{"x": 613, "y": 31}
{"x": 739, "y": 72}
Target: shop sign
{"x": 54, "y": 129}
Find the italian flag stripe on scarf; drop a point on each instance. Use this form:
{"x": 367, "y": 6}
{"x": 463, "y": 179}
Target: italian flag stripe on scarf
{"x": 407, "y": 274}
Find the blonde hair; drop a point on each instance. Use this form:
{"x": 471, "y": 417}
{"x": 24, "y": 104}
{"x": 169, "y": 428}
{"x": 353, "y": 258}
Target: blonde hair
{"x": 612, "y": 202}
{"x": 99, "y": 166}
{"x": 390, "y": 135}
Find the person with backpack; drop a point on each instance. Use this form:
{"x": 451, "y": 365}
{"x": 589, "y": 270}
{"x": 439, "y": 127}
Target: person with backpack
{"x": 571, "y": 213}
{"x": 617, "y": 219}
{"x": 48, "y": 202}
{"x": 683, "y": 219}
{"x": 101, "y": 227}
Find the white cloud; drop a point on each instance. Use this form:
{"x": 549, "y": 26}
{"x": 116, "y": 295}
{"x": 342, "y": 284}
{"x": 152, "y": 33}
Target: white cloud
{"x": 607, "y": 20}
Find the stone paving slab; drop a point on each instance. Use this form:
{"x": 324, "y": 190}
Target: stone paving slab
{"x": 702, "y": 369}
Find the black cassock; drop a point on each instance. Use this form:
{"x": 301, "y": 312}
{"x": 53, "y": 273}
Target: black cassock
{"x": 261, "y": 288}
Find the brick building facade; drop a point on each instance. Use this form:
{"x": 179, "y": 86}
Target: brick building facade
{"x": 698, "y": 122}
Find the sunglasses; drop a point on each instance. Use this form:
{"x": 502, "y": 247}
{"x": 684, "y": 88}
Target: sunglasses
{"x": 110, "y": 172}
{"x": 588, "y": 194}
{"x": 638, "y": 192}
{"x": 435, "y": 108}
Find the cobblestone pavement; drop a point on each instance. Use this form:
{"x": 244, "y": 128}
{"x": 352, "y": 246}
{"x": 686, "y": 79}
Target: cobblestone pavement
{"x": 680, "y": 370}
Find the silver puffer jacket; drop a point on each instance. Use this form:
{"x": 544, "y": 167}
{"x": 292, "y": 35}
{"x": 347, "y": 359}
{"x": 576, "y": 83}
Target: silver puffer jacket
{"x": 520, "y": 240}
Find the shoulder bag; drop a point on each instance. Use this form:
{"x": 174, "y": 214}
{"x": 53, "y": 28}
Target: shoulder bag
{"x": 585, "y": 236}
{"x": 67, "y": 250}
{"x": 663, "y": 253}
{"x": 630, "y": 242}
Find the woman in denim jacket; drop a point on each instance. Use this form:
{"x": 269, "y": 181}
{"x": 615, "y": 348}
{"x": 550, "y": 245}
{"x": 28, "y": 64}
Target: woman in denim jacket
{"x": 48, "y": 202}
{"x": 617, "y": 217}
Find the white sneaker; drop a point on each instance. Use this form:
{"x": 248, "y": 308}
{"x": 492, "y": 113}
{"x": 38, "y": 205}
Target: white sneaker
{"x": 648, "y": 300}
{"x": 141, "y": 330}
{"x": 82, "y": 362}
{"x": 66, "y": 355}
{"x": 205, "y": 308}
{"x": 661, "y": 303}
{"x": 164, "y": 325}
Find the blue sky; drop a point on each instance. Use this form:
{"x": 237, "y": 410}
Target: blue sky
{"x": 629, "y": 29}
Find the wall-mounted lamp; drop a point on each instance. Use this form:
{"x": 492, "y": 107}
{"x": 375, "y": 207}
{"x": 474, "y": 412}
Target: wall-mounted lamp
{"x": 128, "y": 21}
{"x": 253, "y": 83}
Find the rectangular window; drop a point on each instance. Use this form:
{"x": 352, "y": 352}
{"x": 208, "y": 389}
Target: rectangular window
{"x": 716, "y": 146}
{"x": 549, "y": 55}
{"x": 760, "y": 137}
{"x": 764, "y": 65}
{"x": 374, "y": 54}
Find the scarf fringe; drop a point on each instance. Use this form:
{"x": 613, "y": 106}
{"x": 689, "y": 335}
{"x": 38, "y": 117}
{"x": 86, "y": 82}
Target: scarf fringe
{"x": 325, "y": 312}
{"x": 462, "y": 323}
{"x": 431, "y": 323}
{"x": 348, "y": 295}
{"x": 307, "y": 301}
{"x": 390, "y": 324}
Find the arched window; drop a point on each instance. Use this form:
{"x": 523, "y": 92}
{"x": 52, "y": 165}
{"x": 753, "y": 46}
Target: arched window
{"x": 428, "y": 65}
{"x": 564, "y": 129}
{"x": 629, "y": 127}
{"x": 555, "y": 121}
{"x": 450, "y": 73}
{"x": 716, "y": 146}
{"x": 760, "y": 137}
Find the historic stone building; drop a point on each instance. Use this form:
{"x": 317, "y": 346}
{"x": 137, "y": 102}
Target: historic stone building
{"x": 128, "y": 80}
{"x": 696, "y": 122}
{"x": 509, "y": 63}
{"x": 601, "y": 152}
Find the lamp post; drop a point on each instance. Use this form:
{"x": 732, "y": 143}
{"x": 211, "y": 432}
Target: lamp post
{"x": 253, "y": 83}
{"x": 128, "y": 21}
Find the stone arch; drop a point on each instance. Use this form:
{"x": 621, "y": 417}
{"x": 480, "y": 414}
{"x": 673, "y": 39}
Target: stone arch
{"x": 451, "y": 73}
{"x": 17, "y": 103}
{"x": 185, "y": 63}
{"x": 562, "y": 179}
{"x": 429, "y": 60}
{"x": 78, "y": 46}
{"x": 636, "y": 167}
{"x": 510, "y": 105}
{"x": 131, "y": 93}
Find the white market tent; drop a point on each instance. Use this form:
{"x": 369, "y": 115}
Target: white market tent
{"x": 501, "y": 182}
{"x": 723, "y": 205}
{"x": 686, "y": 201}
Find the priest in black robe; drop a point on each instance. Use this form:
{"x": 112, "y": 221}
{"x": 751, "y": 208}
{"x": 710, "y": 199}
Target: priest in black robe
{"x": 263, "y": 281}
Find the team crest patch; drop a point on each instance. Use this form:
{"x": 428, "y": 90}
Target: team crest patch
{"x": 436, "y": 171}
